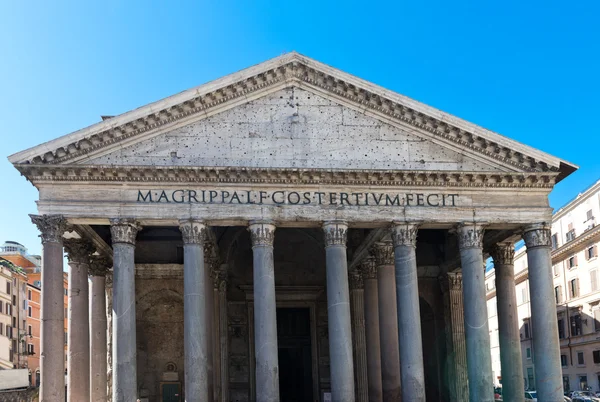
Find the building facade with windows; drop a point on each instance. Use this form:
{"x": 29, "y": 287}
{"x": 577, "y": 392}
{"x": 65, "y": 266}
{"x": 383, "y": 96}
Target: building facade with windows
{"x": 575, "y": 269}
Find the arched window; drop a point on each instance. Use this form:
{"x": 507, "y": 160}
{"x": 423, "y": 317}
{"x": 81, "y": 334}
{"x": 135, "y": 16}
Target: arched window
{"x": 37, "y": 378}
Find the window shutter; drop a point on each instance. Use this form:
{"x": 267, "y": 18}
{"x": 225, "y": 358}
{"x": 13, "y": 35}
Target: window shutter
{"x": 577, "y": 286}
{"x": 570, "y": 227}
{"x": 593, "y": 279}
{"x": 595, "y": 250}
{"x": 576, "y": 260}
{"x": 597, "y": 320}
{"x": 560, "y": 295}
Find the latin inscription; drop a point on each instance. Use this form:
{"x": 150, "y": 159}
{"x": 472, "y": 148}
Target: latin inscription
{"x": 286, "y": 197}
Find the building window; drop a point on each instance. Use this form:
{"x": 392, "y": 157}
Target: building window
{"x": 1, "y": 328}
{"x": 528, "y": 353}
{"x": 66, "y": 337}
{"x": 554, "y": 241}
{"x": 524, "y": 295}
{"x": 556, "y": 270}
{"x": 594, "y": 280}
{"x": 561, "y": 328}
{"x": 572, "y": 262}
{"x": 37, "y": 378}
{"x": 530, "y": 378}
{"x": 566, "y": 383}
{"x": 580, "y": 359}
{"x": 583, "y": 382}
{"x": 596, "y": 354}
{"x": 66, "y": 292}
{"x": 576, "y": 325}
{"x": 29, "y": 330}
{"x": 29, "y": 295}
{"x": 7, "y": 287}
{"x": 558, "y": 294}
{"x": 563, "y": 360}
{"x": 1, "y": 307}
{"x": 8, "y": 309}
{"x": 591, "y": 252}
{"x": 14, "y": 300}
{"x": 589, "y": 215}
{"x": 29, "y": 311}
{"x": 30, "y": 349}
{"x": 570, "y": 232}
{"x": 597, "y": 320}
{"x": 526, "y": 330}
{"x": 574, "y": 288}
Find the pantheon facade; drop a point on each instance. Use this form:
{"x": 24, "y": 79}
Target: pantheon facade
{"x": 290, "y": 233}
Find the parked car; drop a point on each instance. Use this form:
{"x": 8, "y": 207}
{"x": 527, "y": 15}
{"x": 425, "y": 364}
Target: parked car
{"x": 584, "y": 396}
{"x": 532, "y": 396}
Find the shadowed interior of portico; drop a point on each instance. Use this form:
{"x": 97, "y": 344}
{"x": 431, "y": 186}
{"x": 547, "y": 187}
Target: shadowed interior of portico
{"x": 300, "y": 282}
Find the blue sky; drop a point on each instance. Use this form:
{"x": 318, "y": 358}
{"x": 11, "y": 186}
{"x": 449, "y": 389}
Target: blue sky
{"x": 528, "y": 70}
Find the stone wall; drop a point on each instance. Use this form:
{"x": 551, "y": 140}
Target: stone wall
{"x": 30, "y": 395}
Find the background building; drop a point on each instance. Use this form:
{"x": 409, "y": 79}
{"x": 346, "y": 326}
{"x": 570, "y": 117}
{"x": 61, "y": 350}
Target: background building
{"x": 575, "y": 240}
{"x": 29, "y": 300}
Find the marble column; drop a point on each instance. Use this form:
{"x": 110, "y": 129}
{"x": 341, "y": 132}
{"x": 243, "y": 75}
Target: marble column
{"x": 338, "y": 312}
{"x": 479, "y": 360}
{"x": 124, "y": 352}
{"x": 508, "y": 322}
{"x": 456, "y": 349}
{"x": 369, "y": 270}
{"x": 265, "y": 318}
{"x": 52, "y": 356}
{"x": 388, "y": 321}
{"x": 79, "y": 253}
{"x": 209, "y": 260}
{"x": 109, "y": 342}
{"x": 98, "y": 324}
{"x": 404, "y": 236}
{"x": 548, "y": 371}
{"x": 195, "y": 330}
{"x": 220, "y": 279}
{"x": 357, "y": 309}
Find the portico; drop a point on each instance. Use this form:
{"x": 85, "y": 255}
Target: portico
{"x": 291, "y": 185}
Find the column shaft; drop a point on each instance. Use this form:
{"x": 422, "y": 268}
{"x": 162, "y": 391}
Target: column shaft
{"x": 338, "y": 312}
{"x": 369, "y": 268}
{"x": 223, "y": 333}
{"x": 195, "y": 331}
{"x": 479, "y": 361}
{"x": 98, "y": 325}
{"x": 209, "y": 298}
{"x": 548, "y": 372}
{"x": 508, "y": 325}
{"x": 265, "y": 318}
{"x": 52, "y": 357}
{"x": 357, "y": 307}
{"x": 78, "y": 340}
{"x": 388, "y": 322}
{"x": 409, "y": 315}
{"x": 124, "y": 352}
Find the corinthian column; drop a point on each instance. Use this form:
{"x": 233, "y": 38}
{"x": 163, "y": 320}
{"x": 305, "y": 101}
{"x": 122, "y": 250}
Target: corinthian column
{"x": 369, "y": 270}
{"x": 265, "y": 318}
{"x": 98, "y": 343}
{"x": 508, "y": 324}
{"x": 357, "y": 308}
{"x": 451, "y": 284}
{"x": 479, "y": 360}
{"x": 388, "y": 321}
{"x": 220, "y": 282}
{"x": 338, "y": 313}
{"x": 548, "y": 372}
{"x": 404, "y": 236}
{"x": 124, "y": 353}
{"x": 52, "y": 357}
{"x": 195, "y": 328}
{"x": 209, "y": 261}
{"x": 79, "y": 252}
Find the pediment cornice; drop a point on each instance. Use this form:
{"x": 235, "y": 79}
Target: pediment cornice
{"x": 290, "y": 70}
{"x": 39, "y": 174}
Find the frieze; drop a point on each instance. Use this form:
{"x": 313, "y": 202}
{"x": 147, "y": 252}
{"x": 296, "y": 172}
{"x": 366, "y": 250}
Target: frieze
{"x": 124, "y": 230}
{"x": 537, "y": 236}
{"x": 336, "y": 234}
{"x": 294, "y": 69}
{"x": 378, "y": 178}
{"x": 405, "y": 234}
{"x": 52, "y": 227}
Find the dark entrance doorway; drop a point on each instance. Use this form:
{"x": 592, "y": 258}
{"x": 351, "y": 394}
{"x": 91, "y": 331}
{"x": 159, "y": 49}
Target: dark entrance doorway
{"x": 293, "y": 339}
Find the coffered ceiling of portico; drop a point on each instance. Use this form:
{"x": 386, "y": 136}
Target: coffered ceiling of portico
{"x": 290, "y": 112}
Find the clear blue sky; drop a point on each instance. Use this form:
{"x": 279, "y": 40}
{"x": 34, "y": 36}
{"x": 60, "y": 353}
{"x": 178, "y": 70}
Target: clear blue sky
{"x": 526, "y": 69}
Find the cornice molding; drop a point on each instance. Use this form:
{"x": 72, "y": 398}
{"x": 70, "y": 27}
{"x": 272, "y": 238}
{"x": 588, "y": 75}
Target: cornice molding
{"x": 579, "y": 243}
{"x": 245, "y": 175}
{"x": 294, "y": 71}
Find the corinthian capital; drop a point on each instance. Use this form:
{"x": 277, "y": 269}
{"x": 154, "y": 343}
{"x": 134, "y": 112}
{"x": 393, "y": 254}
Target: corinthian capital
{"x": 124, "y": 230}
{"x": 355, "y": 279}
{"x": 79, "y": 250}
{"x": 193, "y": 232}
{"x": 384, "y": 252}
{"x": 537, "y": 235}
{"x": 52, "y": 227}
{"x": 451, "y": 281}
{"x": 336, "y": 233}
{"x": 369, "y": 268}
{"x": 98, "y": 265}
{"x": 470, "y": 235}
{"x": 262, "y": 234}
{"x": 404, "y": 234}
{"x": 503, "y": 253}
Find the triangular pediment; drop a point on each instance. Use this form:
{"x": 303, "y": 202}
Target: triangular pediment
{"x": 292, "y": 112}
